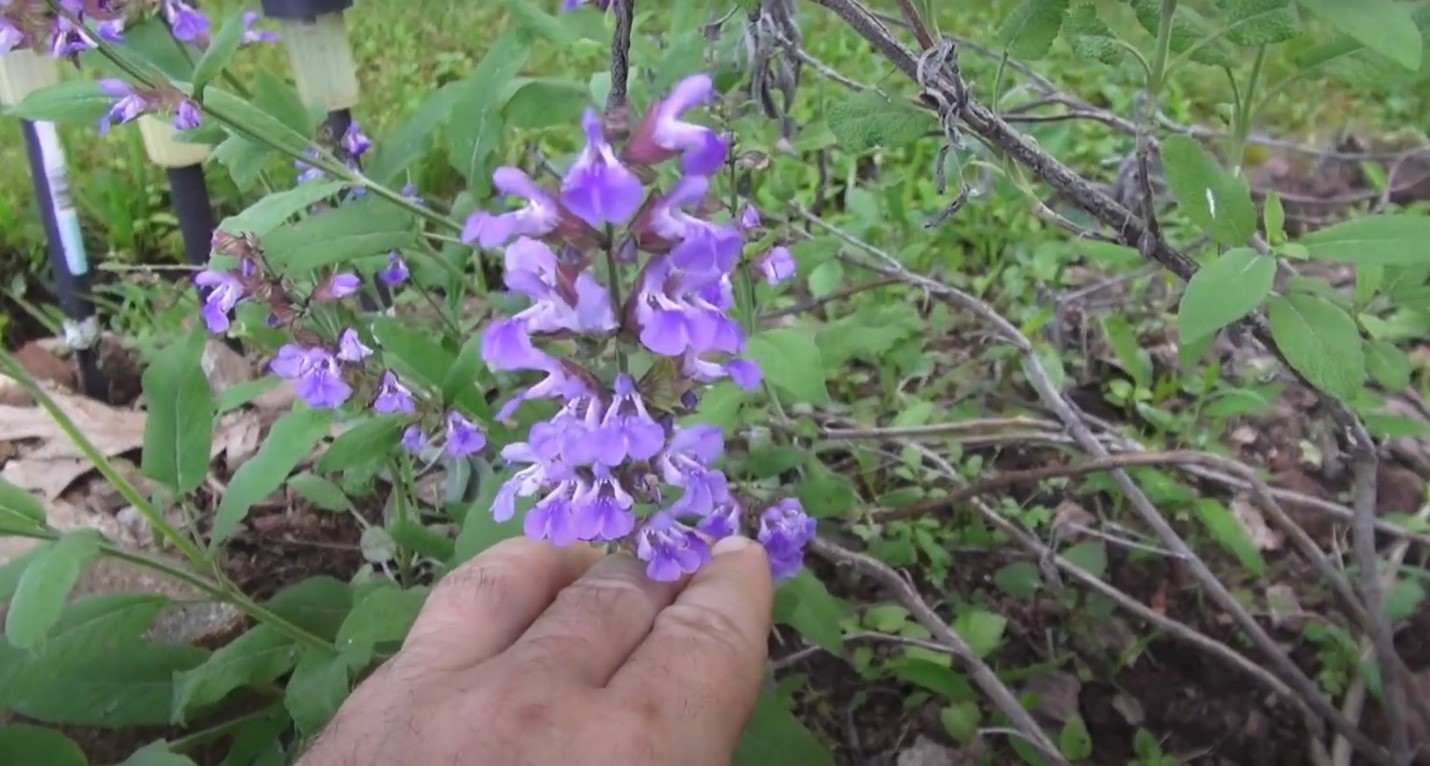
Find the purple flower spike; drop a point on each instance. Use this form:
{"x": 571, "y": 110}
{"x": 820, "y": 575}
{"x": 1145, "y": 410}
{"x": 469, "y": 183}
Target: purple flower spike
{"x": 351, "y": 348}
{"x": 396, "y": 272}
{"x": 540, "y": 471}
{"x": 355, "y": 142}
{"x": 670, "y": 549}
{"x": 785, "y": 529}
{"x": 539, "y": 217}
{"x": 187, "y": 23}
{"x": 777, "y": 265}
{"x": 599, "y": 189}
{"x": 627, "y": 430}
{"x": 413, "y": 440}
{"x": 662, "y": 134}
{"x": 225, "y": 290}
{"x": 723, "y": 521}
{"x": 317, "y": 379}
{"x": 392, "y": 397}
{"x": 463, "y": 438}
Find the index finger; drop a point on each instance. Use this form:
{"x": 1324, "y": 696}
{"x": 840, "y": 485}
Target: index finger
{"x": 699, "y": 670}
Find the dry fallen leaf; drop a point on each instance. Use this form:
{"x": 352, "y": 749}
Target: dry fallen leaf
{"x": 236, "y": 437}
{"x": 224, "y": 367}
{"x": 1262, "y": 535}
{"x": 56, "y": 462}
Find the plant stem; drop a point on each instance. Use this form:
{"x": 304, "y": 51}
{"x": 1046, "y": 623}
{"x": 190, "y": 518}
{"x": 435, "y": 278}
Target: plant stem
{"x": 613, "y": 276}
{"x": 1164, "y": 46}
{"x": 1245, "y": 111}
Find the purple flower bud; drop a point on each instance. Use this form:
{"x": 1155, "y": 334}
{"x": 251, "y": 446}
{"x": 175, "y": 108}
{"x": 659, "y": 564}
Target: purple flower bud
{"x": 187, "y": 23}
{"x": 109, "y": 30}
{"x": 598, "y": 188}
{"x": 68, "y": 38}
{"x": 224, "y": 291}
{"x": 785, "y": 529}
{"x": 355, "y": 142}
{"x": 413, "y": 440}
{"x": 571, "y": 5}
{"x": 749, "y": 218}
{"x": 337, "y": 287}
{"x": 670, "y": 549}
{"x": 392, "y": 397}
{"x": 463, "y": 438}
{"x": 252, "y": 36}
{"x": 187, "y": 115}
{"x": 662, "y": 134}
{"x": 777, "y": 265}
{"x": 317, "y": 379}
{"x": 538, "y": 218}
{"x": 665, "y": 224}
{"x": 351, "y": 348}
{"x": 396, "y": 272}
{"x": 410, "y": 192}
{"x": 723, "y": 521}
{"x": 742, "y": 372}
{"x": 129, "y": 106}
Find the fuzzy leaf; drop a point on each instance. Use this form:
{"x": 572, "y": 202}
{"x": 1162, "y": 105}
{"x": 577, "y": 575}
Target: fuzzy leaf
{"x": 1029, "y": 31}
{"x": 1216, "y": 201}
{"x": 1260, "y": 22}
{"x": 1089, "y": 36}
{"x": 866, "y": 120}
{"x": 1385, "y": 26}
{"x": 1224, "y": 291}
{"x": 1321, "y": 341}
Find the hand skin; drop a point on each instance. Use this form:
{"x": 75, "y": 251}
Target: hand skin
{"x": 533, "y": 655}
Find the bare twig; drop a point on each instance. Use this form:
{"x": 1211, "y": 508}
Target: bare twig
{"x": 1070, "y": 418}
{"x": 977, "y": 669}
{"x": 624, "y": 11}
{"x": 837, "y": 295}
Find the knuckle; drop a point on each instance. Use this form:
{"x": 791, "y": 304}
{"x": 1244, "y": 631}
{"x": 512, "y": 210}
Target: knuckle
{"x": 608, "y": 595}
{"x": 708, "y": 633}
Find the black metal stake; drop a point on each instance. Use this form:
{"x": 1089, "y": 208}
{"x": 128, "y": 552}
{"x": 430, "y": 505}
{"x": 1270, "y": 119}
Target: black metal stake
{"x": 68, "y": 261}
{"x": 189, "y": 195}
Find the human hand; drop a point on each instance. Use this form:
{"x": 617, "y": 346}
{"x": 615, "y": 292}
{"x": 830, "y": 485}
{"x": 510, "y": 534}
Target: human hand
{"x": 536, "y": 655}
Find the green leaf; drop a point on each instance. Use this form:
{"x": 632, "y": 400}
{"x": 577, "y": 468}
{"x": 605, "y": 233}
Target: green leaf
{"x": 1216, "y": 201}
{"x": 476, "y": 125}
{"x": 291, "y": 439}
{"x": 413, "y": 354}
{"x": 404, "y": 149}
{"x": 960, "y": 720}
{"x": 1392, "y": 239}
{"x": 1388, "y": 365}
{"x": 319, "y": 684}
{"x": 1091, "y": 556}
{"x": 157, "y": 753}
{"x": 1075, "y": 741}
{"x": 220, "y": 52}
{"x": 257, "y": 657}
{"x": 1260, "y": 22}
{"x": 320, "y": 492}
{"x": 383, "y": 616}
{"x": 252, "y": 116}
{"x": 479, "y": 530}
{"x": 20, "y": 503}
{"x": 545, "y": 102}
{"x": 865, "y": 120}
{"x": 982, "y": 631}
{"x": 1385, "y": 26}
{"x": 318, "y": 605}
{"x": 775, "y": 737}
{"x": 1273, "y": 217}
{"x": 1020, "y": 579}
{"x": 178, "y": 431}
{"x": 803, "y": 603}
{"x": 11, "y": 570}
{"x": 1320, "y": 341}
{"x": 44, "y": 586}
{"x": 1188, "y": 28}
{"x": 826, "y": 278}
{"x": 1231, "y": 534}
{"x": 26, "y": 744}
{"x": 1224, "y": 291}
{"x": 358, "y": 228}
{"x": 131, "y": 684}
{"x": 421, "y": 539}
{"x": 76, "y": 101}
{"x": 539, "y": 23}
{"x": 367, "y": 442}
{"x": 791, "y": 362}
{"x": 1089, "y": 37}
{"x": 1029, "y": 31}
{"x": 272, "y": 210}
{"x": 92, "y": 626}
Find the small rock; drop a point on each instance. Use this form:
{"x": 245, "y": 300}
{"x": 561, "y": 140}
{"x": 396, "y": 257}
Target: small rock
{"x": 926, "y": 752}
{"x": 224, "y": 367}
{"x": 1058, "y": 694}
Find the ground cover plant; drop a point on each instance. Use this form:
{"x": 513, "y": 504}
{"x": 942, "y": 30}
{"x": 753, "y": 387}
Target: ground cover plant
{"x": 1069, "y": 358}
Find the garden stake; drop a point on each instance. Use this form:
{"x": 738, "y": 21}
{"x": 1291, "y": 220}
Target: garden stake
{"x": 22, "y": 72}
{"x": 316, "y": 37}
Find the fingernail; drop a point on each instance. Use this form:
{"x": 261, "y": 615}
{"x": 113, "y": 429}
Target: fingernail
{"x": 731, "y": 544}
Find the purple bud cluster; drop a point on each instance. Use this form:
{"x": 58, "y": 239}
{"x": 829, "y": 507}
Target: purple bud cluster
{"x": 612, "y": 465}
{"x": 32, "y": 24}
{"x": 351, "y": 146}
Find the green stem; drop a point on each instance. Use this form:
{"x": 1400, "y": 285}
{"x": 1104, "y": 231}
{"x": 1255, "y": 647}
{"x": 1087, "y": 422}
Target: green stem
{"x": 613, "y": 276}
{"x": 205, "y": 736}
{"x": 1245, "y": 111}
{"x": 1164, "y": 47}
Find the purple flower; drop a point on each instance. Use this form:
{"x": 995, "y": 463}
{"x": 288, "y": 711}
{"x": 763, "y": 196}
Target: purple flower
{"x": 674, "y": 320}
{"x": 224, "y": 292}
{"x": 571, "y": 5}
{"x": 749, "y": 218}
{"x": 186, "y": 22}
{"x": 627, "y": 430}
{"x": 413, "y": 440}
{"x": 109, "y": 30}
{"x": 722, "y": 521}
{"x": 317, "y": 379}
{"x": 539, "y": 217}
{"x": 598, "y": 189}
{"x": 187, "y": 115}
{"x": 68, "y": 38}
{"x": 130, "y": 105}
{"x": 410, "y": 192}
{"x": 554, "y": 516}
{"x": 702, "y": 246}
{"x": 662, "y": 134}
{"x": 601, "y": 509}
{"x": 785, "y": 529}
{"x": 685, "y": 464}
{"x": 463, "y": 438}
{"x": 563, "y": 299}
{"x": 351, "y": 348}
{"x": 777, "y": 265}
{"x": 541, "y": 471}
{"x": 337, "y": 287}
{"x": 742, "y": 372}
{"x": 396, "y": 272}
{"x": 251, "y": 35}
{"x": 670, "y": 549}
{"x": 392, "y": 397}
{"x": 354, "y": 142}
{"x": 10, "y": 36}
